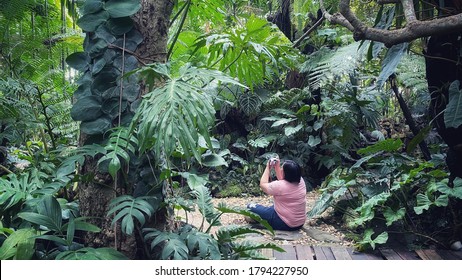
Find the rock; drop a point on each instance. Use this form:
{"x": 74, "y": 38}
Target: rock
{"x": 320, "y": 235}
{"x": 287, "y": 235}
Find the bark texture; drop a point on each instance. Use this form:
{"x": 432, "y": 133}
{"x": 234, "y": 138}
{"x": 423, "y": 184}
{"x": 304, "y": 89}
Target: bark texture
{"x": 152, "y": 21}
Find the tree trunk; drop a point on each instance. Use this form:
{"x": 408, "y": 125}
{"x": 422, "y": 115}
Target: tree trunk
{"x": 152, "y": 21}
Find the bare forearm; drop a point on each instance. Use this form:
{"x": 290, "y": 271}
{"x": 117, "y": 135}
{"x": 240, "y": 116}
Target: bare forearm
{"x": 265, "y": 176}
{"x": 264, "y": 180}
{"x": 278, "y": 171}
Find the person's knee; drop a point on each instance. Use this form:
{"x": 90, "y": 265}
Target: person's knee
{"x": 251, "y": 206}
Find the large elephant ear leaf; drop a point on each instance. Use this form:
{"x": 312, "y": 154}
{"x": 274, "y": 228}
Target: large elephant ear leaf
{"x": 453, "y": 112}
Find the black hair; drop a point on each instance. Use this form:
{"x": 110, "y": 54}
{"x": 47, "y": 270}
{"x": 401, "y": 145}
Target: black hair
{"x": 292, "y": 171}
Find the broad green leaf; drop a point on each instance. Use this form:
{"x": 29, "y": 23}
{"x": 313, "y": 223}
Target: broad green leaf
{"x": 129, "y": 209}
{"x": 119, "y": 26}
{"x": 98, "y": 126}
{"x": 206, "y": 245}
{"x": 380, "y": 239}
{"x": 290, "y": 130}
{"x": 390, "y": 62}
{"x": 392, "y": 216}
{"x": 213, "y": 160}
{"x": 122, "y": 8}
{"x": 321, "y": 205}
{"x": 423, "y": 133}
{"x": 90, "y": 22}
{"x": 261, "y": 142}
{"x": 22, "y": 240}
{"x": 92, "y": 6}
{"x": 282, "y": 122}
{"x": 314, "y": 141}
{"x": 80, "y": 61}
{"x": 87, "y": 108}
{"x": 363, "y": 160}
{"x": 423, "y": 203}
{"x": 175, "y": 249}
{"x": 453, "y": 112}
{"x": 205, "y": 204}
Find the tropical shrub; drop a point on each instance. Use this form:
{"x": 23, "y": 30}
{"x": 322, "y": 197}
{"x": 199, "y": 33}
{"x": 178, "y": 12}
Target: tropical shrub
{"x": 387, "y": 192}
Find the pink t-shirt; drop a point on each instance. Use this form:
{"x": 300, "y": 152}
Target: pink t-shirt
{"x": 289, "y": 201}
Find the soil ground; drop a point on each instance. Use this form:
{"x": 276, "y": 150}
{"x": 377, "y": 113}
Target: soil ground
{"x": 325, "y": 230}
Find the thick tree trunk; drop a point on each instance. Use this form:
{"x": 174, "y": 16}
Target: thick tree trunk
{"x": 152, "y": 21}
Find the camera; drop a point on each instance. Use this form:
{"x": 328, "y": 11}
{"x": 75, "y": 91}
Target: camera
{"x": 273, "y": 161}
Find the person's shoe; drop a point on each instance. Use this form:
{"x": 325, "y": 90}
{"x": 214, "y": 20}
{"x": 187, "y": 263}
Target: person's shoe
{"x": 250, "y": 220}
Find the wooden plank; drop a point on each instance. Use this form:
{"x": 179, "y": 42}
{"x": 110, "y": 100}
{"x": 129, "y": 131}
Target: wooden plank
{"x": 267, "y": 253}
{"x": 289, "y": 254}
{"x": 432, "y": 254}
{"x": 448, "y": 255}
{"x": 328, "y": 253}
{"x": 390, "y": 254}
{"x": 428, "y": 254}
{"x": 355, "y": 255}
{"x": 304, "y": 252}
{"x": 340, "y": 253}
{"x": 406, "y": 254}
{"x": 319, "y": 253}
{"x": 458, "y": 254}
{"x": 421, "y": 254}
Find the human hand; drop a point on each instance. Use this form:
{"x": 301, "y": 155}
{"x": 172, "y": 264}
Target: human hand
{"x": 274, "y": 161}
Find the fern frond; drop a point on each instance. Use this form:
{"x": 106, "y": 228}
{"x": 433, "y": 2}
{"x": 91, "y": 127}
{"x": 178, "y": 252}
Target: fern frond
{"x": 327, "y": 63}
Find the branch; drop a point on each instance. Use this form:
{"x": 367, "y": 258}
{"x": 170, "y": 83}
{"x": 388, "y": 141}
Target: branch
{"x": 312, "y": 28}
{"x": 414, "y": 29}
{"x": 335, "y": 18}
{"x": 384, "y": 2}
{"x": 409, "y": 11}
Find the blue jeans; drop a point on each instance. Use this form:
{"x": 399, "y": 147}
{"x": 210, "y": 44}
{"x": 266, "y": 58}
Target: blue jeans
{"x": 270, "y": 215}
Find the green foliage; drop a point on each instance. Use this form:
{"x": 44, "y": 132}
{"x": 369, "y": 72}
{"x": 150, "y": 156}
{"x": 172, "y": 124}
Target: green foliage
{"x": 251, "y": 53}
{"x": 121, "y": 142}
{"x": 129, "y": 208}
{"x": 92, "y": 254}
{"x": 179, "y": 112}
{"x": 390, "y": 62}
{"x": 367, "y": 239}
{"x": 102, "y": 94}
{"x": 325, "y": 65}
{"x": 453, "y": 112}
{"x": 19, "y": 245}
{"x": 389, "y": 191}
{"x": 190, "y": 243}
{"x": 14, "y": 190}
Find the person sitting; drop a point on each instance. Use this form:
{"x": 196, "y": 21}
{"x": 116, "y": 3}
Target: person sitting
{"x": 289, "y": 194}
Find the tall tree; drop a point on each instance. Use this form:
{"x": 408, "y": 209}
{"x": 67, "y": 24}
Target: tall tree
{"x": 440, "y": 23}
{"x": 121, "y": 35}
{"x": 442, "y": 53}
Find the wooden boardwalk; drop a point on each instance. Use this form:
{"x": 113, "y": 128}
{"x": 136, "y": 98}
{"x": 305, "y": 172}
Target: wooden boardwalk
{"x": 307, "y": 252}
